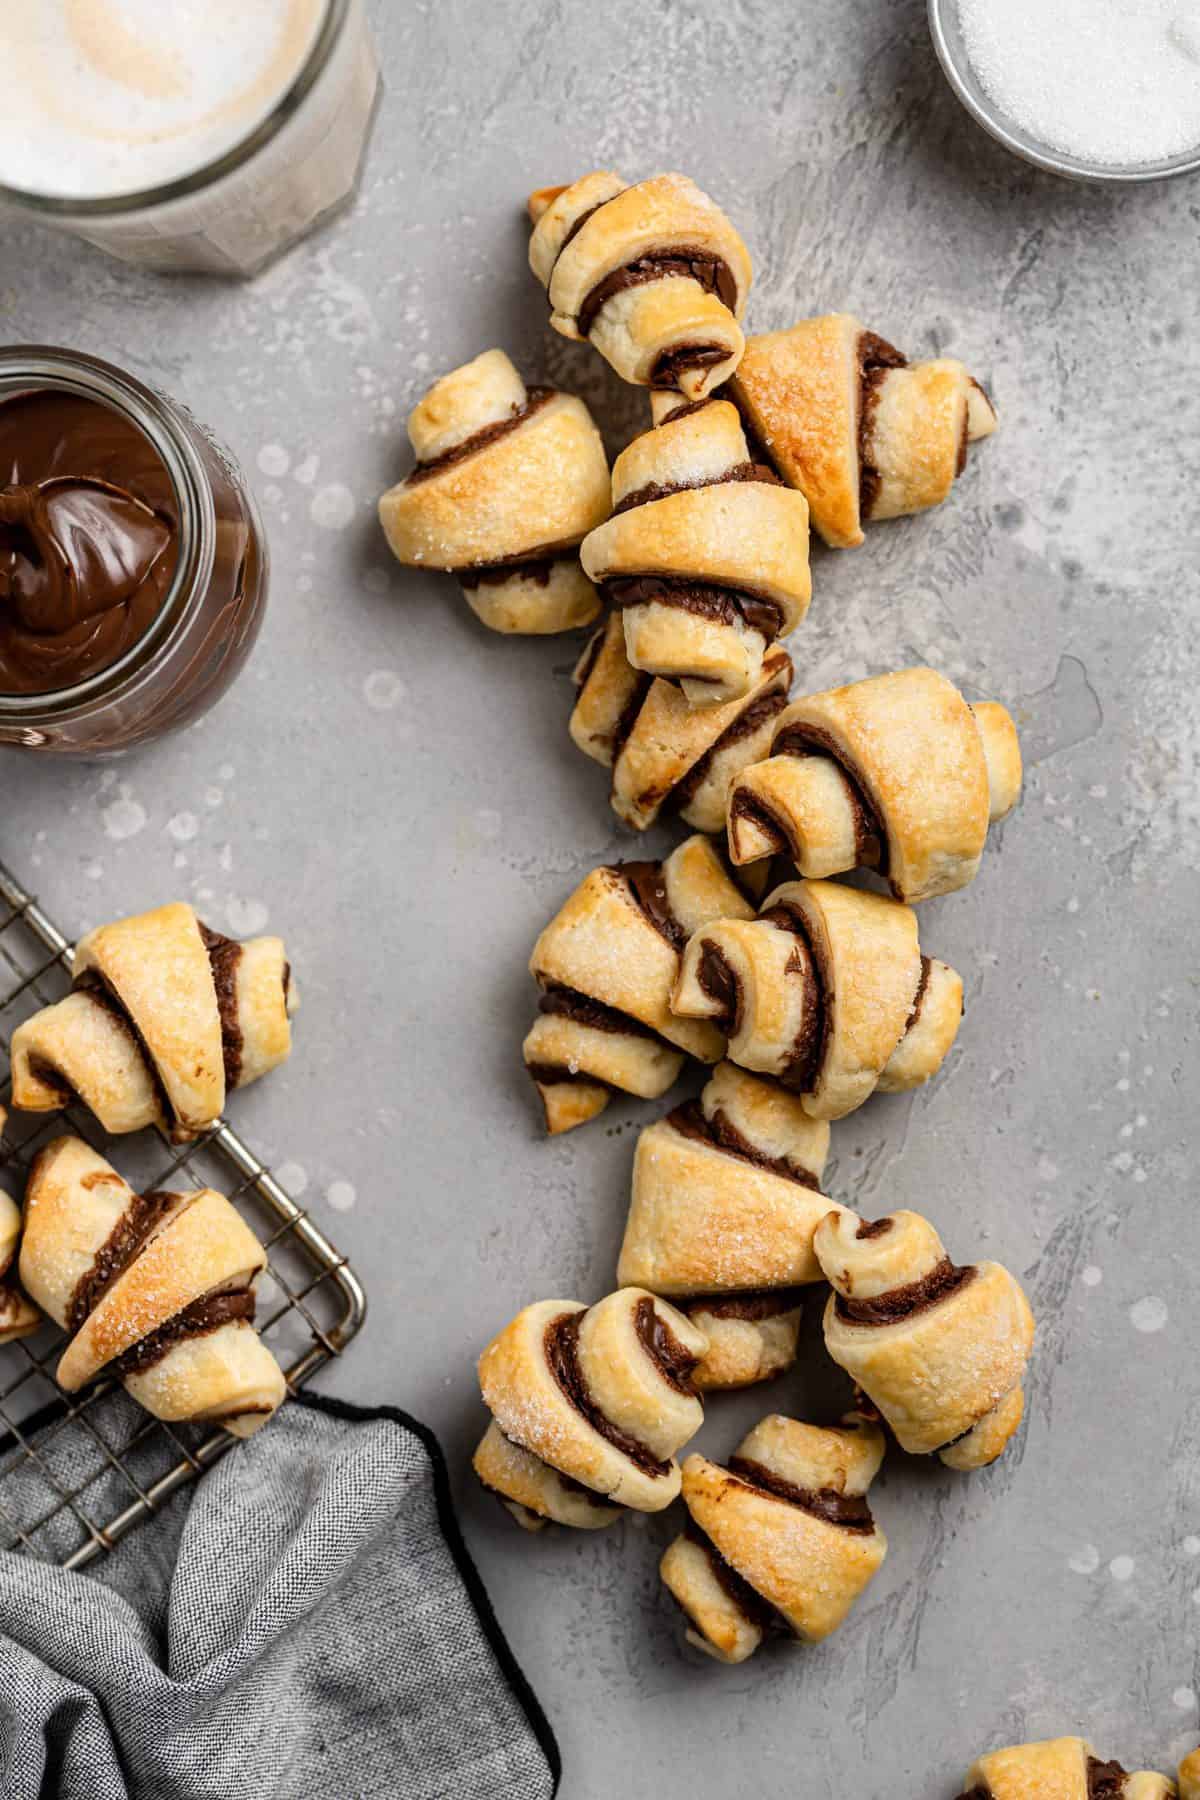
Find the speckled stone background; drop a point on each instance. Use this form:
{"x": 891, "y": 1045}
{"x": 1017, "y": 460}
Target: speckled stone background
{"x": 394, "y": 789}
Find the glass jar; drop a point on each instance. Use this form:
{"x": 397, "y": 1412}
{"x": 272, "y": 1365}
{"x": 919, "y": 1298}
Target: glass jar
{"x": 212, "y": 611}
{"x": 233, "y": 215}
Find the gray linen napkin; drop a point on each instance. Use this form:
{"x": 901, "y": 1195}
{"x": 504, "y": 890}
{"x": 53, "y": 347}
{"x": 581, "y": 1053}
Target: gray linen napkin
{"x": 304, "y": 1624}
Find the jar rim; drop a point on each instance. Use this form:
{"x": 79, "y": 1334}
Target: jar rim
{"x": 64, "y": 206}
{"x": 32, "y": 366}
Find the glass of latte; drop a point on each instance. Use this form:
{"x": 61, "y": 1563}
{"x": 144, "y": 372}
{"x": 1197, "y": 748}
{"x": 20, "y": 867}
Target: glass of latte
{"x": 195, "y": 134}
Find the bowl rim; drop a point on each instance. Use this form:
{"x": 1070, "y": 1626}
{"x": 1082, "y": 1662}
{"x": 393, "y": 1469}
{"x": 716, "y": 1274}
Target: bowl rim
{"x": 1042, "y": 156}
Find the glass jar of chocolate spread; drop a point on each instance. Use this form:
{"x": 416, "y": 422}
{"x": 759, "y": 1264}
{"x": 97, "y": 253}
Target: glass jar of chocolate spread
{"x": 133, "y": 566}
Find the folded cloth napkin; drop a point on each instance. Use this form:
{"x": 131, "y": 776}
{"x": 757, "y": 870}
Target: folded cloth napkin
{"x": 303, "y": 1624}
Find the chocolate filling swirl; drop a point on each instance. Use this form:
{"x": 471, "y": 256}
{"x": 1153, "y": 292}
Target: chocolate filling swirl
{"x": 224, "y": 956}
{"x": 535, "y": 399}
{"x": 720, "y": 1131}
{"x": 849, "y": 1511}
{"x": 753, "y": 1308}
{"x": 875, "y": 357}
{"x": 870, "y": 836}
{"x": 125, "y": 1241}
{"x": 900, "y": 1303}
{"x": 767, "y": 706}
{"x": 712, "y": 273}
{"x": 1106, "y": 1780}
{"x": 749, "y": 1602}
{"x": 672, "y": 1359}
{"x": 707, "y": 600}
{"x": 661, "y": 490}
{"x": 807, "y": 1052}
{"x": 205, "y": 1315}
{"x": 594, "y": 1015}
{"x": 649, "y": 888}
{"x": 562, "y": 1354}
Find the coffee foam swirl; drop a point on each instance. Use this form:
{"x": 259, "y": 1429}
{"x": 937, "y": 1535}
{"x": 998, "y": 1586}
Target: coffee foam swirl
{"x": 107, "y": 97}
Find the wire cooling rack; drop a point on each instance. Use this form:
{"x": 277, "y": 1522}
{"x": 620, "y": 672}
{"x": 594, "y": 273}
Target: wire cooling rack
{"x": 79, "y": 1471}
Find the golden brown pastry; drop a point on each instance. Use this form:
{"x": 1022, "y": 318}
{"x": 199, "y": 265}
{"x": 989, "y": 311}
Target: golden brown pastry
{"x": 781, "y": 1539}
{"x": 164, "y": 1020}
{"x": 705, "y": 556}
{"x": 508, "y": 482}
{"x": 858, "y": 430}
{"x": 18, "y": 1318}
{"x": 155, "y": 1289}
{"x": 606, "y": 965}
{"x": 726, "y": 1199}
{"x": 726, "y": 1193}
{"x": 533, "y": 1493}
{"x": 652, "y": 275}
{"x": 827, "y": 991}
{"x": 897, "y": 774}
{"x": 751, "y": 1337}
{"x": 1189, "y": 1777}
{"x": 589, "y": 1406}
{"x": 667, "y": 756}
{"x": 941, "y": 1351}
{"x": 1060, "y": 1769}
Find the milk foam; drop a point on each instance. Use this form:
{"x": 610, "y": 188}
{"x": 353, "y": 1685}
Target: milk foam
{"x": 106, "y": 97}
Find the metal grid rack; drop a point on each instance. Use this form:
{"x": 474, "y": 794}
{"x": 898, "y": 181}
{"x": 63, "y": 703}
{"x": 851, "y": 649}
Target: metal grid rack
{"x": 86, "y": 1468}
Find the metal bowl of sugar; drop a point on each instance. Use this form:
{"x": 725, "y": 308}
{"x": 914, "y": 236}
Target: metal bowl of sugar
{"x": 1096, "y": 90}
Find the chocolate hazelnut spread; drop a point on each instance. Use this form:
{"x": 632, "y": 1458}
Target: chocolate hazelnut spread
{"x": 649, "y": 886}
{"x": 873, "y": 1228}
{"x": 752, "y": 1307}
{"x": 569, "y": 1003}
{"x": 1106, "y": 1780}
{"x": 808, "y": 1049}
{"x": 586, "y": 1011}
{"x": 719, "y": 1131}
{"x": 914, "y": 1011}
{"x": 712, "y": 272}
{"x": 850, "y": 1511}
{"x": 902, "y": 1302}
{"x": 748, "y": 1600}
{"x": 535, "y": 569}
{"x": 727, "y": 606}
{"x": 870, "y": 839}
{"x": 224, "y": 956}
{"x": 673, "y": 1361}
{"x": 578, "y": 224}
{"x": 876, "y": 356}
{"x": 562, "y": 1354}
{"x": 536, "y": 398}
{"x": 720, "y": 983}
{"x": 659, "y": 490}
{"x": 585, "y": 668}
{"x": 629, "y": 713}
{"x": 677, "y": 361}
{"x": 89, "y": 539}
{"x": 204, "y": 1315}
{"x": 767, "y": 706}
{"x": 683, "y": 407}
{"x": 137, "y": 1225}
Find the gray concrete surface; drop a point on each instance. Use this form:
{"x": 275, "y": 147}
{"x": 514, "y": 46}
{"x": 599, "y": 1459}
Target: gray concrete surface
{"x": 394, "y": 790}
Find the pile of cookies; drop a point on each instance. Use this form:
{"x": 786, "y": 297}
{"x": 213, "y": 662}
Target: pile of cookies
{"x": 740, "y": 950}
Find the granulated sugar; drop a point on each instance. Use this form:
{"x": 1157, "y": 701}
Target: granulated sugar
{"x": 1108, "y": 81}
